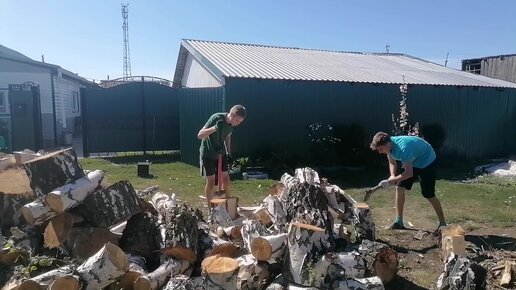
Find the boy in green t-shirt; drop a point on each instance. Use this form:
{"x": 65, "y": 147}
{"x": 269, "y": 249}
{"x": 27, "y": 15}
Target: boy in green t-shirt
{"x": 218, "y": 128}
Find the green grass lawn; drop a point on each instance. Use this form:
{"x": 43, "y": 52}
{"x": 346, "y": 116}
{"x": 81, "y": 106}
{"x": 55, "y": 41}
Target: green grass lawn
{"x": 478, "y": 203}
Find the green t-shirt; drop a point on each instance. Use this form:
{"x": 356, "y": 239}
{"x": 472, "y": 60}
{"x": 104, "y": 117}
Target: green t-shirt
{"x": 211, "y": 147}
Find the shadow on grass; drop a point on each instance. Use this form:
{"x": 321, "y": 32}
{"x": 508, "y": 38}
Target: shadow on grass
{"x": 133, "y": 158}
{"x": 400, "y": 283}
{"x": 492, "y": 242}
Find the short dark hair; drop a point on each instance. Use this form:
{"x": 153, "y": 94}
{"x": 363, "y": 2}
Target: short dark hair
{"x": 380, "y": 139}
{"x": 239, "y": 110}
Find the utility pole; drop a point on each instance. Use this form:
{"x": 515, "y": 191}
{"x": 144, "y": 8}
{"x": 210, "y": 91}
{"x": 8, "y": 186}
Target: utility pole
{"x": 387, "y": 46}
{"x": 446, "y": 61}
{"x": 127, "y": 55}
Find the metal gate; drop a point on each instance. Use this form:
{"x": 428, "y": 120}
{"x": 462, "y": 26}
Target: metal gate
{"x": 25, "y": 116}
{"x": 131, "y": 116}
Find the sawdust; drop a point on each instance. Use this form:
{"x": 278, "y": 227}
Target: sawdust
{"x": 14, "y": 181}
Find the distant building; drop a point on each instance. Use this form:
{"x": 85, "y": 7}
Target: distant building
{"x": 58, "y": 95}
{"x": 501, "y": 67}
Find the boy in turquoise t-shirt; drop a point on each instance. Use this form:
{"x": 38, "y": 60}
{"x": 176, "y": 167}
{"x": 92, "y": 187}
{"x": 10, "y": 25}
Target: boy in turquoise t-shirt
{"x": 417, "y": 158}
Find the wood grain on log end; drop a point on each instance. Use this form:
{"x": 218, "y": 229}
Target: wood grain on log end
{"x": 261, "y": 249}
{"x": 219, "y": 265}
{"x": 181, "y": 253}
{"x": 65, "y": 283}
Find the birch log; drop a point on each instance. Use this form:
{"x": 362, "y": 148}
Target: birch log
{"x": 158, "y": 277}
{"x": 57, "y": 230}
{"x": 460, "y": 273}
{"x": 53, "y": 170}
{"x": 37, "y": 212}
{"x": 109, "y": 206}
{"x": 182, "y": 234}
{"x": 83, "y": 243}
{"x": 142, "y": 237}
{"x": 58, "y": 279}
{"x": 362, "y": 222}
{"x": 70, "y": 195}
{"x": 381, "y": 260}
{"x": 137, "y": 268}
{"x": 220, "y": 272}
{"x": 10, "y": 208}
{"x": 337, "y": 266}
{"x": 252, "y": 274}
{"x": 252, "y": 229}
{"x": 372, "y": 283}
{"x": 183, "y": 282}
{"x": 305, "y": 244}
{"x": 106, "y": 266}
{"x": 278, "y": 246}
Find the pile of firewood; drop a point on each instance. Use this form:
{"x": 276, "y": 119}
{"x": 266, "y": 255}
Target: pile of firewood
{"x": 306, "y": 234}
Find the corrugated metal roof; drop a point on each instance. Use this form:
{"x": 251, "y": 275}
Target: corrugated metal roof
{"x": 271, "y": 62}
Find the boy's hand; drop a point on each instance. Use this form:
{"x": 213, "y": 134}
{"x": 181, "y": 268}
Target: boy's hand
{"x": 219, "y": 124}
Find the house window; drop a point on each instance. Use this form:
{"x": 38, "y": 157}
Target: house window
{"x": 75, "y": 102}
{"x": 4, "y": 102}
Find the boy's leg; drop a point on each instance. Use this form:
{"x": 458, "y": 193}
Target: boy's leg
{"x": 400, "y": 203}
{"x": 428, "y": 178}
{"x": 208, "y": 188}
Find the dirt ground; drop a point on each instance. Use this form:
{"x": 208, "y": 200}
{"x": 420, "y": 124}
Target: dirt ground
{"x": 14, "y": 180}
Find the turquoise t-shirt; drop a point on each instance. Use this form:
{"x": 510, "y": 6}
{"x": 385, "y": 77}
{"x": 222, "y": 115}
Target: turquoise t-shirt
{"x": 412, "y": 149}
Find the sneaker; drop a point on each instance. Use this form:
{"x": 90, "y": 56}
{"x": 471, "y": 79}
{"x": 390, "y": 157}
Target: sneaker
{"x": 397, "y": 226}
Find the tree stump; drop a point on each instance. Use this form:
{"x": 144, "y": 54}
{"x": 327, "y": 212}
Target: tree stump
{"x": 70, "y": 195}
{"x": 253, "y": 275}
{"x": 158, "y": 277}
{"x": 220, "y": 272}
{"x": 53, "y": 170}
{"x": 109, "y": 206}
{"x": 141, "y": 237}
{"x": 381, "y": 260}
{"x": 306, "y": 243}
{"x": 106, "y": 266}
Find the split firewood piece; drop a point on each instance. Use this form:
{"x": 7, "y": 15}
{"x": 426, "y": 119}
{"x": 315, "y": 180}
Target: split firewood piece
{"x": 220, "y": 272}
{"x": 263, "y": 216}
{"x": 338, "y": 266}
{"x": 137, "y": 268}
{"x": 381, "y": 260}
{"x": 278, "y": 247}
{"x": 142, "y": 237}
{"x": 37, "y": 212}
{"x": 83, "y": 243}
{"x": 182, "y": 234}
{"x": 164, "y": 203}
{"x": 11, "y": 205}
{"x": 159, "y": 277}
{"x": 460, "y": 273}
{"x": 109, "y": 206}
{"x": 144, "y": 193}
{"x": 227, "y": 249}
{"x": 275, "y": 212}
{"x": 362, "y": 222}
{"x": 229, "y": 203}
{"x": 106, "y": 266}
{"x": 234, "y": 232}
{"x": 53, "y": 170}
{"x": 506, "y": 279}
{"x": 57, "y": 230}
{"x": 71, "y": 194}
{"x": 371, "y": 283}
{"x": 57, "y": 279}
{"x": 305, "y": 244}
{"x": 184, "y": 282}
{"x": 252, "y": 229}
{"x": 452, "y": 241}
{"x": 307, "y": 175}
{"x": 252, "y": 274}
{"x": 289, "y": 181}
{"x": 220, "y": 216}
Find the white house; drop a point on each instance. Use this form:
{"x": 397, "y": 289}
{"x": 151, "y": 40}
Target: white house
{"x": 59, "y": 91}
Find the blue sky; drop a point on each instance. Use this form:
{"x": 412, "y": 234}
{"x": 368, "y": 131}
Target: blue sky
{"x": 86, "y": 36}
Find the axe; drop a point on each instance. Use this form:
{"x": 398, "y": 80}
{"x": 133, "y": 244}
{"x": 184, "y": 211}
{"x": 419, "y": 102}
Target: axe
{"x": 370, "y": 191}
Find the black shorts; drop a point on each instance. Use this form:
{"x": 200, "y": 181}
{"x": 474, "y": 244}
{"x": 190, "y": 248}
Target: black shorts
{"x": 426, "y": 178}
{"x": 210, "y": 165}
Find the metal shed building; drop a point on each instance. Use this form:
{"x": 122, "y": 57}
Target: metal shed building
{"x": 287, "y": 89}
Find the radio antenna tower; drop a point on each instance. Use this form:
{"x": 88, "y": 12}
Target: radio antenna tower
{"x": 127, "y": 55}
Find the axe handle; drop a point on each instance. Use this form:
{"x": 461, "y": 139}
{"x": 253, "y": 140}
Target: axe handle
{"x": 376, "y": 188}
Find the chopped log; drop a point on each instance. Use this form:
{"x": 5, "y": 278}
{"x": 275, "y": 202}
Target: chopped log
{"x": 57, "y": 230}
{"x": 337, "y": 266}
{"x": 83, "y": 243}
{"x": 37, "y": 212}
{"x": 452, "y": 241}
{"x": 220, "y": 216}
{"x": 234, "y": 232}
{"x": 183, "y": 282}
{"x": 220, "y": 272}
{"x": 144, "y": 193}
{"x": 362, "y": 222}
{"x": 229, "y": 203}
{"x": 106, "y": 266}
{"x": 109, "y": 206}
{"x": 224, "y": 250}
{"x": 10, "y": 208}
{"x": 263, "y": 216}
{"x": 71, "y": 194}
{"x": 58, "y": 279}
{"x": 53, "y": 170}
{"x": 381, "y": 260}
{"x": 371, "y": 283}
{"x": 136, "y": 269}
{"x": 307, "y": 175}
{"x": 164, "y": 203}
{"x": 289, "y": 181}
{"x": 306, "y": 243}
{"x": 279, "y": 283}
{"x": 158, "y": 278}
{"x": 275, "y": 211}
{"x": 182, "y": 233}
{"x": 252, "y": 229}
{"x": 460, "y": 273}
{"x": 506, "y": 279}
{"x": 142, "y": 237}
{"x": 278, "y": 246}
{"x": 261, "y": 249}
{"x": 252, "y": 274}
